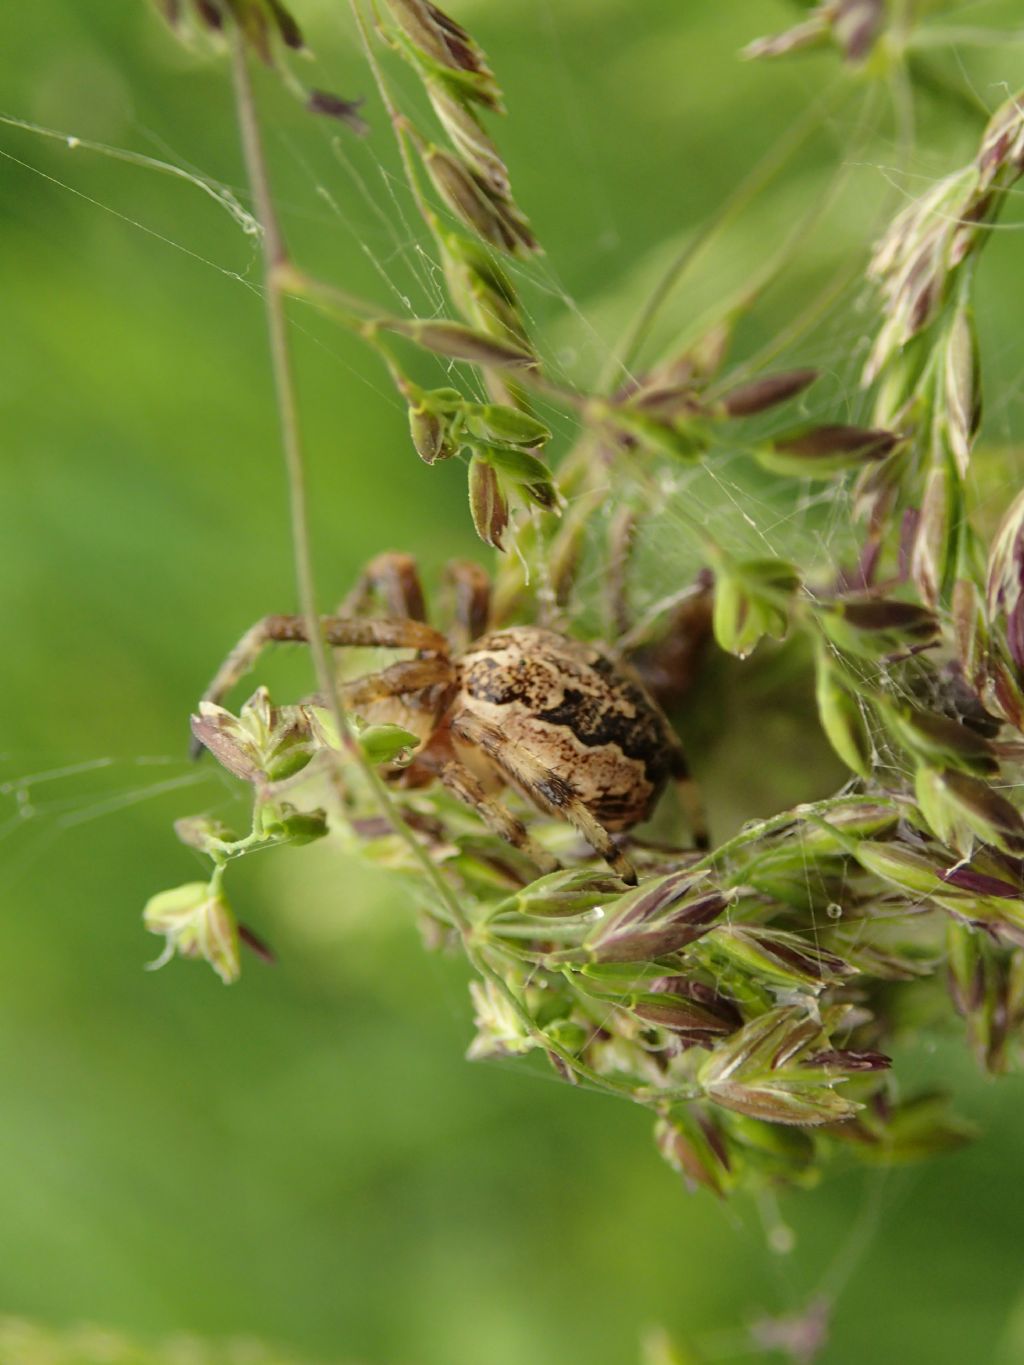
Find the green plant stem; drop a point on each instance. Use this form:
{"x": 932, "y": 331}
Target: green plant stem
{"x": 275, "y": 263}
{"x": 551, "y": 931}
{"x": 278, "y": 271}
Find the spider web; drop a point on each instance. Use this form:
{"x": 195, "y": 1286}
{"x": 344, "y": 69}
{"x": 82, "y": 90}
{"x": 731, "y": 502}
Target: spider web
{"x": 738, "y": 507}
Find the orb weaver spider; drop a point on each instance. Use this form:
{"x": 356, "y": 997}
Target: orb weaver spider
{"x": 560, "y": 721}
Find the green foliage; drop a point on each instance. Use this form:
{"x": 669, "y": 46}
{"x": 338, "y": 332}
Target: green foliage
{"x": 211, "y": 1135}
{"x": 707, "y": 984}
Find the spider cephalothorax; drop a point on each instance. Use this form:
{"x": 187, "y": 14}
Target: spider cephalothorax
{"x": 560, "y": 721}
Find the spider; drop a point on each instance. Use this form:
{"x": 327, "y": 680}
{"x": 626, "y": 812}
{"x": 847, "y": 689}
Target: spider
{"x": 560, "y": 721}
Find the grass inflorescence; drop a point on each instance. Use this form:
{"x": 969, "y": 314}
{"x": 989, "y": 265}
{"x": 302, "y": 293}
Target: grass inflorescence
{"x": 746, "y": 994}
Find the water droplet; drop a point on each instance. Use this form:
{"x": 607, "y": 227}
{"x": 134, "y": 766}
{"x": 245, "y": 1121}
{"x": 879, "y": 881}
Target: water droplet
{"x": 834, "y": 910}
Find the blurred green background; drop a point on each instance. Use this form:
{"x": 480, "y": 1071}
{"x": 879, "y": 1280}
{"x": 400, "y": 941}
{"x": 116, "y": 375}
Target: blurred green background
{"x": 307, "y": 1158}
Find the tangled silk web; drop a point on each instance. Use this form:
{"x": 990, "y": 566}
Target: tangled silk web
{"x": 749, "y": 515}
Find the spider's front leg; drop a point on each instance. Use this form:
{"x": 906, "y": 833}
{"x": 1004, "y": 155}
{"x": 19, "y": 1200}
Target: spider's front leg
{"x": 546, "y": 789}
{"x": 338, "y": 631}
{"x": 406, "y": 679}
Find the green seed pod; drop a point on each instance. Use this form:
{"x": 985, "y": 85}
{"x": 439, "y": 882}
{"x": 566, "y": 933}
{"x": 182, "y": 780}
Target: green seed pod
{"x": 775, "y": 956}
{"x": 477, "y": 205}
{"x": 430, "y": 436}
{"x": 821, "y": 452}
{"x": 661, "y": 916}
{"x": 672, "y": 404}
{"x": 938, "y": 740}
{"x": 858, "y": 820}
{"x": 476, "y": 147}
{"x": 287, "y": 26}
{"x": 196, "y": 921}
{"x": 1002, "y": 145}
{"x": 915, "y": 260}
{"x": 987, "y": 990}
{"x": 282, "y": 822}
{"x": 988, "y": 666}
{"x": 567, "y": 892}
{"x": 936, "y": 549}
{"x": 435, "y": 420}
{"x": 902, "y": 867}
{"x": 464, "y": 343}
{"x": 752, "y": 600}
{"x": 464, "y": 194}
{"x": 205, "y": 833}
{"x": 767, "y": 1071}
{"x": 442, "y": 49}
{"x": 262, "y": 743}
{"x": 506, "y": 425}
{"x": 960, "y": 414}
{"x": 842, "y": 718}
{"x": 417, "y": 22}
{"x": 1005, "y": 587}
{"x": 524, "y": 470}
{"x": 679, "y": 1014}
{"x": 876, "y": 626}
{"x": 695, "y": 1148}
{"x": 958, "y": 806}
{"x": 479, "y": 285}
{"x": 500, "y": 1032}
{"x": 259, "y": 21}
{"x": 940, "y": 812}
{"x": 970, "y": 633}
{"x": 487, "y": 503}
{"x": 767, "y": 392}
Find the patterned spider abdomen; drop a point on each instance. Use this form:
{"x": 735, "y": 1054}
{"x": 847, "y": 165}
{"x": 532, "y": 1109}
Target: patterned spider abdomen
{"x": 556, "y": 716}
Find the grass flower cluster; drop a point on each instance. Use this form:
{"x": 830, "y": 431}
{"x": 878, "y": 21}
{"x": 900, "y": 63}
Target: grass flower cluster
{"x": 748, "y": 995}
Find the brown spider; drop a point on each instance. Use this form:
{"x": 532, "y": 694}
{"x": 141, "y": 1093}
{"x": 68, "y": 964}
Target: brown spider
{"x": 558, "y": 720}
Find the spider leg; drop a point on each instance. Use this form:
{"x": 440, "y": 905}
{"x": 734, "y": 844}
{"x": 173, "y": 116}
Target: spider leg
{"x": 536, "y": 780}
{"x": 338, "y": 631}
{"x": 464, "y": 785}
{"x": 394, "y": 580}
{"x": 407, "y": 676}
{"x": 471, "y": 586}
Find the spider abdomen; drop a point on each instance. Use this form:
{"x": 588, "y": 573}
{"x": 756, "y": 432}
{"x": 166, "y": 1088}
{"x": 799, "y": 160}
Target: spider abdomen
{"x": 567, "y": 714}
